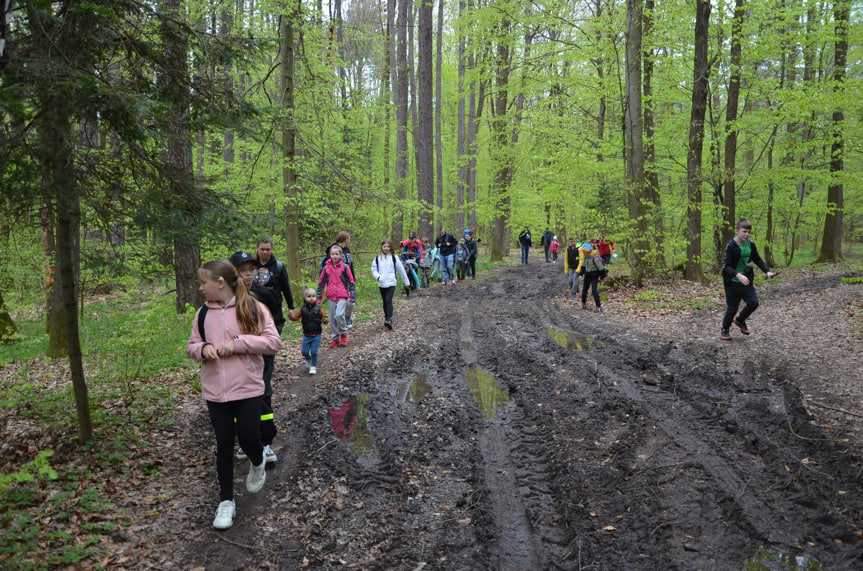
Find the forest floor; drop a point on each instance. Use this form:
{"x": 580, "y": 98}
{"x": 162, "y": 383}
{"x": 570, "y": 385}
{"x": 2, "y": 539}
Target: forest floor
{"x": 501, "y": 426}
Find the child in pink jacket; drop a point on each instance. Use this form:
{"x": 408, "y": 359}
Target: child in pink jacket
{"x": 337, "y": 279}
{"x": 230, "y": 335}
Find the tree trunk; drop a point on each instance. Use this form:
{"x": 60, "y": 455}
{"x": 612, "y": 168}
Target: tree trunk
{"x": 461, "y": 183}
{"x": 8, "y": 329}
{"x": 474, "y": 113}
{"x": 694, "y": 270}
{"x": 183, "y": 201}
{"x": 387, "y": 88}
{"x": 634, "y": 149}
{"x": 729, "y": 189}
{"x": 438, "y": 121}
{"x": 499, "y": 245}
{"x": 651, "y": 175}
{"x": 400, "y": 101}
{"x": 289, "y": 135}
{"x": 831, "y": 242}
{"x": 424, "y": 137}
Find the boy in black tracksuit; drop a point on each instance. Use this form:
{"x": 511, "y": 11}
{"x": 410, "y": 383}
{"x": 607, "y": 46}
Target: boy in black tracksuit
{"x": 738, "y": 278}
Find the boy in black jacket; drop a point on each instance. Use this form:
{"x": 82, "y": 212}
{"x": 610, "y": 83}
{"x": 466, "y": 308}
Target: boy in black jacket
{"x": 738, "y": 278}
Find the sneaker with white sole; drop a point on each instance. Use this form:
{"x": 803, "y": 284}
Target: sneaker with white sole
{"x": 269, "y": 455}
{"x": 240, "y": 454}
{"x": 313, "y": 370}
{"x": 257, "y": 477}
{"x": 225, "y": 515}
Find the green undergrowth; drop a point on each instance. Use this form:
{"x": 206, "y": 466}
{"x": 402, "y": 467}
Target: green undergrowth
{"x": 652, "y": 299}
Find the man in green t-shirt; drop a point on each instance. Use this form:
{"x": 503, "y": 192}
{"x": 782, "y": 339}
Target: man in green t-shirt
{"x": 738, "y": 277}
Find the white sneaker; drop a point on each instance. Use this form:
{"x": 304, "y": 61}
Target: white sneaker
{"x": 269, "y": 455}
{"x": 313, "y": 370}
{"x": 225, "y": 515}
{"x": 240, "y": 454}
{"x": 257, "y": 477}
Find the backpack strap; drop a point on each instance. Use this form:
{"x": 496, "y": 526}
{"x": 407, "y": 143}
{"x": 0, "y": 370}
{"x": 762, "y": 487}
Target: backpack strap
{"x": 202, "y": 315}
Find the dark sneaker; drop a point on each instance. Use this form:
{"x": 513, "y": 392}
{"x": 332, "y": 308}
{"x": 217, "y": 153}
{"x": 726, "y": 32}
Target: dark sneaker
{"x": 599, "y": 310}
{"x": 388, "y": 324}
{"x": 583, "y": 306}
{"x": 741, "y": 324}
{"x": 725, "y": 335}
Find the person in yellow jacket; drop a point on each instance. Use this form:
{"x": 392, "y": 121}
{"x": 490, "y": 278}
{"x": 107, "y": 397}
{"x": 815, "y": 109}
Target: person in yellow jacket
{"x": 573, "y": 257}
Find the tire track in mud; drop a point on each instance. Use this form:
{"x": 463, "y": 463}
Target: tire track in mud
{"x": 515, "y": 540}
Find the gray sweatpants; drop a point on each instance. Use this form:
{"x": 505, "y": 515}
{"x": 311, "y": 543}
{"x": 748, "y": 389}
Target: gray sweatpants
{"x": 340, "y": 310}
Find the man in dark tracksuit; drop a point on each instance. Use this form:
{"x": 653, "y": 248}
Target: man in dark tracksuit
{"x": 738, "y": 278}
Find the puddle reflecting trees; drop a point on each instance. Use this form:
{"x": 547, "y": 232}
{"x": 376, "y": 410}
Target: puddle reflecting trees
{"x": 486, "y": 392}
{"x": 770, "y": 560}
{"x": 571, "y": 340}
{"x": 350, "y": 424}
{"x": 414, "y": 389}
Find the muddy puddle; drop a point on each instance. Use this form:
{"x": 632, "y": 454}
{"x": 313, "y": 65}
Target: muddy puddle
{"x": 770, "y": 560}
{"x": 414, "y": 389}
{"x": 571, "y": 340}
{"x": 350, "y": 424}
{"x": 489, "y": 396}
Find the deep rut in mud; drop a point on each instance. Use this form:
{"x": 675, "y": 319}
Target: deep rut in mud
{"x": 502, "y": 427}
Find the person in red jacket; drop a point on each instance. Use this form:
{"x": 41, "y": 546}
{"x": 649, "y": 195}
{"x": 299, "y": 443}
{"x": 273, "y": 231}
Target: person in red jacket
{"x": 605, "y": 248}
{"x": 230, "y": 340}
{"x": 412, "y": 244}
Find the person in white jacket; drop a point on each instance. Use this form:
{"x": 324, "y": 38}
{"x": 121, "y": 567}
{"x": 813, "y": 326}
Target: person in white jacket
{"x": 385, "y": 266}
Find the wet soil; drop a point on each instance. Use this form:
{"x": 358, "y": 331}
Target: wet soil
{"x": 501, "y": 426}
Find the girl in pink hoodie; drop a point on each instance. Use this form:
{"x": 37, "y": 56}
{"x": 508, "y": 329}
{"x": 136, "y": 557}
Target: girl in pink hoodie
{"x": 230, "y": 335}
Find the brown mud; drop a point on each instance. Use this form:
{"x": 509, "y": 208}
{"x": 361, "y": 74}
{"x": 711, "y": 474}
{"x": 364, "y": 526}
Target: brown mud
{"x": 500, "y": 426}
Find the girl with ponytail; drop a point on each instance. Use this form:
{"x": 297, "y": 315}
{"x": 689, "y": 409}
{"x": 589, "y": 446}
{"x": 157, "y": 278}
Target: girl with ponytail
{"x": 230, "y": 335}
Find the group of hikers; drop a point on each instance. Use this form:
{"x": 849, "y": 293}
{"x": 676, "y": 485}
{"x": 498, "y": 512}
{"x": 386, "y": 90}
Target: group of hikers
{"x": 237, "y": 332}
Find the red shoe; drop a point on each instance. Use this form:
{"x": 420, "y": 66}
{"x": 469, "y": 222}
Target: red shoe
{"x": 343, "y": 340}
{"x": 335, "y": 343}
{"x": 741, "y": 324}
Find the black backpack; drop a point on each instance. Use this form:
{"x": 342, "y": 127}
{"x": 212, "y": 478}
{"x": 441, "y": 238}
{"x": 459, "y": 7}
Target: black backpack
{"x": 202, "y": 315}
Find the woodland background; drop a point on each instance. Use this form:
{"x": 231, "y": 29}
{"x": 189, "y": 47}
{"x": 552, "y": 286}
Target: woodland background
{"x": 140, "y": 138}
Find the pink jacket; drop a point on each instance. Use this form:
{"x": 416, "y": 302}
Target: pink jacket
{"x": 338, "y": 281}
{"x": 241, "y": 375}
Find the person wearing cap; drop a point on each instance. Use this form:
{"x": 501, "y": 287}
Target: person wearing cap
{"x": 593, "y": 270}
{"x": 412, "y": 244}
{"x": 247, "y": 267}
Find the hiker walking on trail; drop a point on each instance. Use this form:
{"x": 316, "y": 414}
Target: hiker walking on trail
{"x": 593, "y": 270}
{"x": 525, "y": 242}
{"x": 343, "y": 240}
{"x": 386, "y": 269}
{"x": 425, "y": 264}
{"x": 605, "y": 248}
{"x": 470, "y": 246}
{"x": 338, "y": 281}
{"x": 555, "y": 248}
{"x": 230, "y": 339}
{"x": 738, "y": 278}
{"x": 273, "y": 275}
{"x": 447, "y": 243}
{"x": 546, "y": 243}
{"x": 313, "y": 320}
{"x": 572, "y": 258}
{"x": 247, "y": 270}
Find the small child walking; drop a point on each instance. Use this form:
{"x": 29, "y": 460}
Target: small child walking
{"x": 425, "y": 265}
{"x": 230, "y": 334}
{"x": 386, "y": 269}
{"x": 572, "y": 258}
{"x": 555, "y": 248}
{"x": 313, "y": 320}
{"x": 338, "y": 281}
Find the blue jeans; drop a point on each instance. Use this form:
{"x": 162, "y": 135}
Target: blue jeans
{"x": 447, "y": 267}
{"x": 525, "y": 250}
{"x": 572, "y": 276}
{"x": 310, "y": 348}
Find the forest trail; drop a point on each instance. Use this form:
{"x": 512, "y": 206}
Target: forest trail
{"x": 499, "y": 426}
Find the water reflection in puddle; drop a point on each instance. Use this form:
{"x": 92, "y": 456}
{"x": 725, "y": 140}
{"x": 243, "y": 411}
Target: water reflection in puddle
{"x": 486, "y": 392}
{"x": 413, "y": 390}
{"x": 350, "y": 425}
{"x": 571, "y": 340}
{"x": 770, "y": 560}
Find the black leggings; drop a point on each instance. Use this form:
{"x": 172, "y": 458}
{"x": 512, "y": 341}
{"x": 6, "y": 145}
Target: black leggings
{"x": 387, "y": 297}
{"x": 247, "y": 428}
{"x": 593, "y": 283}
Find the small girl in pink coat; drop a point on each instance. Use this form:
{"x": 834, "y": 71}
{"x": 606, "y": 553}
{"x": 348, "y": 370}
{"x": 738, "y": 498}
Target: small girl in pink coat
{"x": 236, "y": 331}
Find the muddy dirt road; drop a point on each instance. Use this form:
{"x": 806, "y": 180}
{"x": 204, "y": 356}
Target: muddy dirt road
{"x": 499, "y": 426}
